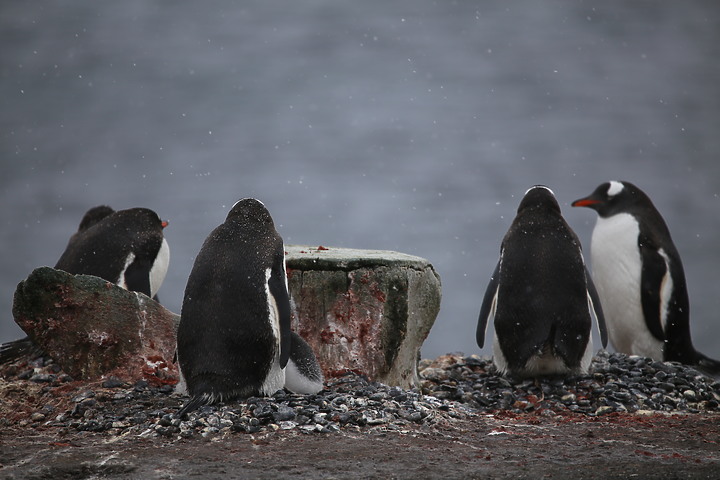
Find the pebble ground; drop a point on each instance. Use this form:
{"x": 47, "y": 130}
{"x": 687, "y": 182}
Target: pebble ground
{"x": 451, "y": 386}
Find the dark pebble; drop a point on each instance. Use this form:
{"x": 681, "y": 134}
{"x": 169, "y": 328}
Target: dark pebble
{"x": 43, "y": 378}
{"x": 283, "y": 413}
{"x": 167, "y": 389}
{"x": 112, "y": 382}
{"x": 140, "y": 385}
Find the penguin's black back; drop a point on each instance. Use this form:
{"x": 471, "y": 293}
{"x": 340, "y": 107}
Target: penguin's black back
{"x": 105, "y": 240}
{"x": 225, "y": 341}
{"x": 654, "y": 236}
{"x": 542, "y": 292}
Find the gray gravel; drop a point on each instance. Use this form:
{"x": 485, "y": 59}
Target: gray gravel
{"x": 452, "y": 386}
{"x": 617, "y": 383}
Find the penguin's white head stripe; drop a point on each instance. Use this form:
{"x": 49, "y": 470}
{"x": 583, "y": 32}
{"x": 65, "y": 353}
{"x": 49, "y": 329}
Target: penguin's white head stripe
{"x": 540, "y": 186}
{"x": 615, "y": 188}
{"x": 247, "y": 198}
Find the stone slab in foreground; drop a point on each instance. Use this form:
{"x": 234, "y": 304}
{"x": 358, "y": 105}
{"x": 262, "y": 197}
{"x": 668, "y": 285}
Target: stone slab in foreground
{"x": 363, "y": 310}
{"x": 93, "y": 328}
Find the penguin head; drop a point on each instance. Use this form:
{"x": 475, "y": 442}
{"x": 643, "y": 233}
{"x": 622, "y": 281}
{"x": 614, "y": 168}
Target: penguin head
{"x": 614, "y": 197}
{"x": 103, "y": 220}
{"x": 94, "y": 215}
{"x": 539, "y": 198}
{"x": 250, "y": 210}
{"x": 143, "y": 219}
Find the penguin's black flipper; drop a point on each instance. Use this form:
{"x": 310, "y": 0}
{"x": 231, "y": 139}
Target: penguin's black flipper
{"x": 11, "y": 351}
{"x": 597, "y": 308}
{"x": 137, "y": 276}
{"x": 654, "y": 272}
{"x": 488, "y": 305}
{"x": 278, "y": 289}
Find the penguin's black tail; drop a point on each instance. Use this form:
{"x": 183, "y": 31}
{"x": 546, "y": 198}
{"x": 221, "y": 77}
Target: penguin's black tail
{"x": 11, "y": 351}
{"x": 707, "y": 365}
{"x": 196, "y": 402}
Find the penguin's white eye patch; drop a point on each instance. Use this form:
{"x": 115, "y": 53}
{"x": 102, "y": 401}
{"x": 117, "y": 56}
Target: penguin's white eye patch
{"x": 615, "y": 188}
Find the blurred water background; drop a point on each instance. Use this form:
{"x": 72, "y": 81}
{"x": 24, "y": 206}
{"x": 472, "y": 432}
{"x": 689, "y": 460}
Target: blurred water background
{"x": 410, "y": 125}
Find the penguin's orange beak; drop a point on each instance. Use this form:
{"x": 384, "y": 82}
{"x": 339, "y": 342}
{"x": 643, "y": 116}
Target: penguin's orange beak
{"x": 585, "y": 202}
{"x": 164, "y": 223}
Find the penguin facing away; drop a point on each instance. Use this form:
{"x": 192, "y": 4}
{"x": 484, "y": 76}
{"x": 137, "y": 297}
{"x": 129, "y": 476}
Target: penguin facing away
{"x": 540, "y": 295}
{"x": 234, "y": 338}
{"x": 640, "y": 277}
{"x": 126, "y": 247}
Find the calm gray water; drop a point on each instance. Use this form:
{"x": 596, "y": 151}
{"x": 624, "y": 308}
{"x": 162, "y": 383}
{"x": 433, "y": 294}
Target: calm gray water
{"x": 409, "y": 125}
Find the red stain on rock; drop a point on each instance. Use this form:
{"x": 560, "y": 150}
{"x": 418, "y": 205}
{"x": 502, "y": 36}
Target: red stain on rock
{"x": 379, "y": 294}
{"x": 645, "y": 453}
{"x": 346, "y": 332}
{"x": 363, "y": 331}
{"x": 327, "y": 336}
{"x": 157, "y": 371}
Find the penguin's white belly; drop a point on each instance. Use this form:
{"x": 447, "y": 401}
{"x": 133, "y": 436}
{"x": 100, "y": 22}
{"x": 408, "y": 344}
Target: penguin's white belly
{"x": 617, "y": 272}
{"x": 159, "y": 268}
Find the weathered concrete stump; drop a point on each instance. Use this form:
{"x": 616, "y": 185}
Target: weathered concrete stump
{"x": 93, "y": 328}
{"x": 363, "y": 310}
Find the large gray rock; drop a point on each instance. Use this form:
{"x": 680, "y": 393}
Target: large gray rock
{"x": 93, "y": 328}
{"x": 363, "y": 310}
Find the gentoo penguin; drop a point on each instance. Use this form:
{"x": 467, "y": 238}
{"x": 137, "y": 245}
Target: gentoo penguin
{"x": 541, "y": 295}
{"x": 234, "y": 338}
{"x": 640, "y": 278}
{"x": 126, "y": 247}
